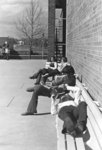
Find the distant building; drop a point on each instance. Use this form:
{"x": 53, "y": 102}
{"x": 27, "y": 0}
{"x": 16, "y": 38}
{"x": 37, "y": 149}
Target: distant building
{"x": 20, "y": 42}
{"x": 81, "y": 39}
{"x": 11, "y": 41}
{"x": 56, "y": 27}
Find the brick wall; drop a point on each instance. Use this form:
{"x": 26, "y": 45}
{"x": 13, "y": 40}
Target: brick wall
{"x": 51, "y": 27}
{"x": 84, "y": 42}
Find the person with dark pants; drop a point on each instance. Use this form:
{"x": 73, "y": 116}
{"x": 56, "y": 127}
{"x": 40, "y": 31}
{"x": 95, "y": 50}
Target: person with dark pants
{"x": 43, "y": 90}
{"x": 6, "y": 50}
{"x": 50, "y": 65}
{"x": 64, "y": 68}
{"x": 38, "y": 90}
{"x": 75, "y": 118}
{"x": 39, "y": 74}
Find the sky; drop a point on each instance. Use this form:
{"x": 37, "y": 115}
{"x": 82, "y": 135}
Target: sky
{"x": 10, "y": 10}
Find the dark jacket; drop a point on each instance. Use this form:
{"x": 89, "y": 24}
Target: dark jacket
{"x": 67, "y": 79}
{"x": 68, "y": 70}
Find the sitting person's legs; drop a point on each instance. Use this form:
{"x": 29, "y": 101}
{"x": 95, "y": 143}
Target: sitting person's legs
{"x": 39, "y": 90}
{"x": 35, "y": 75}
{"x": 39, "y": 76}
{"x": 50, "y": 74}
{"x": 40, "y": 71}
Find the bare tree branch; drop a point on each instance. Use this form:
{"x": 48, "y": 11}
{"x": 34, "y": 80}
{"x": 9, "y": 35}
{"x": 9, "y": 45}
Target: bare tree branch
{"x": 29, "y": 24}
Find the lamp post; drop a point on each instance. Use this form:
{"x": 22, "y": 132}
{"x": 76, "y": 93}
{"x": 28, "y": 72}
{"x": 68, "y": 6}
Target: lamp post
{"x": 42, "y": 45}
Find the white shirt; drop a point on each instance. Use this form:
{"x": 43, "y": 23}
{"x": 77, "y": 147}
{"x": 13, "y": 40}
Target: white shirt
{"x": 61, "y": 66}
{"x": 66, "y": 103}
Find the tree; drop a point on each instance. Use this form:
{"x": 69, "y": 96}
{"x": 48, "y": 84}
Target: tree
{"x": 29, "y": 25}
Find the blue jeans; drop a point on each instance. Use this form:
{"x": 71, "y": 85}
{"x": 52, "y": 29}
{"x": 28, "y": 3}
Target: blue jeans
{"x": 39, "y": 90}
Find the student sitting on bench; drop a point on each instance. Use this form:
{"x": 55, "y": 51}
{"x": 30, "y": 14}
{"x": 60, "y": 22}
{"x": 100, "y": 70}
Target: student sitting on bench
{"x": 63, "y": 68}
{"x": 43, "y": 90}
{"x": 50, "y": 65}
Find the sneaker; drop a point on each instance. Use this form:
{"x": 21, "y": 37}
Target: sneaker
{"x": 32, "y": 77}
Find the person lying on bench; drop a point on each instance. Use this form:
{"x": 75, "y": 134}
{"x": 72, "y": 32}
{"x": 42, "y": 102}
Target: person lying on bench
{"x": 72, "y": 111}
{"x": 63, "y": 68}
{"x": 50, "y": 65}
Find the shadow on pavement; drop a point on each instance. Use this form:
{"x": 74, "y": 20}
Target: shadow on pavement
{"x": 39, "y": 114}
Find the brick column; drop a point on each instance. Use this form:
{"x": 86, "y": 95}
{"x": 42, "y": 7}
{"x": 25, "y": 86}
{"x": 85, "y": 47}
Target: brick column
{"x": 51, "y": 28}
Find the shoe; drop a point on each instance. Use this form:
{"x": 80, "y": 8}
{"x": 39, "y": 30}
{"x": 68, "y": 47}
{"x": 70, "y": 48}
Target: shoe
{"x": 63, "y": 130}
{"x": 31, "y": 78}
{"x": 28, "y": 113}
{"x": 73, "y": 133}
{"x": 35, "y": 112}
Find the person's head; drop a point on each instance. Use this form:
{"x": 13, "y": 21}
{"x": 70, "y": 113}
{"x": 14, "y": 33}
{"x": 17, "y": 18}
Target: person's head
{"x": 64, "y": 59}
{"x": 52, "y": 59}
{"x": 5, "y": 42}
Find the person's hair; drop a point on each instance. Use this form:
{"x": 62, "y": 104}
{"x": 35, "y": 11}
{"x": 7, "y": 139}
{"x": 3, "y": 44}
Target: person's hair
{"x": 54, "y": 59}
{"x": 64, "y": 59}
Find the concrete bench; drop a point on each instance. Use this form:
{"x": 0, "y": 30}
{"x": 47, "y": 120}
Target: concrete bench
{"x": 92, "y": 138}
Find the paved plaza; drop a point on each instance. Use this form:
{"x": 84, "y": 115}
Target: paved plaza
{"x": 18, "y": 132}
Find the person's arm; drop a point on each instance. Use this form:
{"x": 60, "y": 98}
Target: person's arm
{"x": 47, "y": 65}
{"x": 58, "y": 82}
{"x": 54, "y": 106}
{"x": 76, "y": 92}
{"x": 55, "y": 66}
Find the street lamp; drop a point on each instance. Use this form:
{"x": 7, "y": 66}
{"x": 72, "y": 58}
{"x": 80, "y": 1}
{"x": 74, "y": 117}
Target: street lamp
{"x": 42, "y": 45}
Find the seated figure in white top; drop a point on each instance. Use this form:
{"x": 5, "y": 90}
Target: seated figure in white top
{"x": 62, "y": 68}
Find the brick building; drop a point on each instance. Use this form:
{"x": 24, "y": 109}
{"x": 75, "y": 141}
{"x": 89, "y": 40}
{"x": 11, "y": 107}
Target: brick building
{"x": 56, "y": 26}
{"x": 81, "y": 41}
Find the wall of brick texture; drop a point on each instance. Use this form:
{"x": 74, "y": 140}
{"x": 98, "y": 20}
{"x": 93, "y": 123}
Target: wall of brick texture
{"x": 84, "y": 42}
{"x": 51, "y": 27}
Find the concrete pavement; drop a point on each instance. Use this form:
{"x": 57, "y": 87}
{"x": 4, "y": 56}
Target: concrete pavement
{"x": 18, "y": 132}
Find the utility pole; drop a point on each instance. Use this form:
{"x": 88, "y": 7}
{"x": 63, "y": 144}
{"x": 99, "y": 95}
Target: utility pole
{"x": 42, "y": 45}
